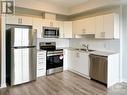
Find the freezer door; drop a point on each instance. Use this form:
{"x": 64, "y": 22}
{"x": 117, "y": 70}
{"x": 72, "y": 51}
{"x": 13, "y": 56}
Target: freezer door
{"x": 23, "y": 65}
{"x": 21, "y": 36}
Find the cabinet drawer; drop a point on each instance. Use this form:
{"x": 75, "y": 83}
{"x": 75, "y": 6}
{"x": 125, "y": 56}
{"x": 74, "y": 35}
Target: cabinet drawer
{"x": 41, "y": 64}
{"x": 41, "y": 58}
{"x": 41, "y": 61}
{"x": 41, "y": 72}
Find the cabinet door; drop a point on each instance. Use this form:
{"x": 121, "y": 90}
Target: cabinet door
{"x": 37, "y": 24}
{"x": 84, "y": 63}
{"x": 20, "y": 20}
{"x": 26, "y": 20}
{"x": 12, "y": 19}
{"x": 46, "y": 22}
{"x": 65, "y": 61}
{"x": 61, "y": 30}
{"x": 50, "y": 23}
{"x": 77, "y": 27}
{"x": 67, "y": 29}
{"x": 88, "y": 26}
{"x": 77, "y": 62}
{"x": 56, "y": 23}
{"x": 72, "y": 60}
{"x": 99, "y": 32}
{"x": 41, "y": 63}
{"x": 109, "y": 26}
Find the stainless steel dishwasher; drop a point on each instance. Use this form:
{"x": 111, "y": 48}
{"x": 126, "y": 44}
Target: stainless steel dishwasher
{"x": 98, "y": 68}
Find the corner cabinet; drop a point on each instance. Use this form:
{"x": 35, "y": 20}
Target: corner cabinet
{"x": 107, "y": 26}
{"x": 18, "y": 20}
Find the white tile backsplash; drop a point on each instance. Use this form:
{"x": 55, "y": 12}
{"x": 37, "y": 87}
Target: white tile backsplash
{"x": 95, "y": 44}
{"x": 60, "y": 43}
{"x": 103, "y": 45}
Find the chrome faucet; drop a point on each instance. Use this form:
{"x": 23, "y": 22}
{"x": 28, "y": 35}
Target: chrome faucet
{"x": 86, "y": 46}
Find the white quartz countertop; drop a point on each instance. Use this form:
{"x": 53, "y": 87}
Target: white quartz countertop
{"x": 103, "y": 53}
{"x": 96, "y": 52}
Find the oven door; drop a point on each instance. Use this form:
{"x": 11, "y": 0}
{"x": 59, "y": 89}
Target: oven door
{"x": 54, "y": 61}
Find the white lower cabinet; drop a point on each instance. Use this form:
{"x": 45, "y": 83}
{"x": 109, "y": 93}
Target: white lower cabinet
{"x": 84, "y": 63}
{"x": 37, "y": 24}
{"x": 78, "y": 62}
{"x": 41, "y": 63}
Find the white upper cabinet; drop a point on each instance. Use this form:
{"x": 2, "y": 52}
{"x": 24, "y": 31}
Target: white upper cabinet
{"x": 67, "y": 29}
{"x": 99, "y": 27}
{"x": 77, "y": 27}
{"x": 37, "y": 24}
{"x": 50, "y": 23}
{"x": 107, "y": 26}
{"x": 61, "y": 31}
{"x": 26, "y": 20}
{"x": 13, "y": 20}
{"x": 89, "y": 26}
{"x": 19, "y": 20}
{"x": 84, "y": 26}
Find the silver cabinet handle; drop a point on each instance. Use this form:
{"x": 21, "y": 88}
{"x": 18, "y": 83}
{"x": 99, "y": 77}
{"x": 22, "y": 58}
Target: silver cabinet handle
{"x": 19, "y": 21}
{"x": 102, "y": 34}
{"x": 51, "y": 24}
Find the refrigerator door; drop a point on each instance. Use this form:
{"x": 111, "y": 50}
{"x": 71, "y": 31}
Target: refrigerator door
{"x": 24, "y": 65}
{"x": 22, "y": 36}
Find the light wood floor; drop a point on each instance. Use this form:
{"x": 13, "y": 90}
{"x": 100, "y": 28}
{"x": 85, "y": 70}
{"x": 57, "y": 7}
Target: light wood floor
{"x": 65, "y": 83}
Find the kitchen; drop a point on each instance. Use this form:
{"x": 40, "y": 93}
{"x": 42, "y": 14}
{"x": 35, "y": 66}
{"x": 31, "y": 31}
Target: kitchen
{"x": 89, "y": 37}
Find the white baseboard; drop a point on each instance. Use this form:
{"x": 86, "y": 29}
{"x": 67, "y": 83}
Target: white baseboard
{"x": 3, "y": 85}
{"x": 79, "y": 73}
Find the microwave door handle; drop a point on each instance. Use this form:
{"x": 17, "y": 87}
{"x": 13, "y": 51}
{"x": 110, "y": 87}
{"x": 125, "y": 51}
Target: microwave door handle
{"x": 57, "y": 33}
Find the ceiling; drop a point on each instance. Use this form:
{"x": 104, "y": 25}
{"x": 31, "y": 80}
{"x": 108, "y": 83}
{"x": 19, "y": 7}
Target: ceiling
{"x": 73, "y": 3}
{"x": 67, "y": 7}
{"x": 65, "y": 3}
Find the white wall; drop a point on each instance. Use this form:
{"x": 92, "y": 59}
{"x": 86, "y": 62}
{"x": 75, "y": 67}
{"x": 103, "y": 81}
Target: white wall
{"x": 124, "y": 42}
{"x": 60, "y": 43}
{"x": 103, "y": 45}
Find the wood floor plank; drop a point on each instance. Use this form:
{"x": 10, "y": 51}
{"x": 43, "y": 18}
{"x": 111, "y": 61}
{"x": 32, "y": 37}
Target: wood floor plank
{"x": 64, "y": 83}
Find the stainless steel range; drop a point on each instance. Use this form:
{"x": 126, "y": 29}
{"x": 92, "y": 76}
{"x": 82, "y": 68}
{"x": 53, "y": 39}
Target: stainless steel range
{"x": 54, "y": 60}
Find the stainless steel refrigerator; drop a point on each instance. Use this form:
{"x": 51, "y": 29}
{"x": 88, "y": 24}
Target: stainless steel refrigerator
{"x": 20, "y": 55}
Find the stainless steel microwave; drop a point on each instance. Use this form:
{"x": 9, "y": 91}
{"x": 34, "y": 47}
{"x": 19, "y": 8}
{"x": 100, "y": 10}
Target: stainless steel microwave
{"x": 50, "y": 32}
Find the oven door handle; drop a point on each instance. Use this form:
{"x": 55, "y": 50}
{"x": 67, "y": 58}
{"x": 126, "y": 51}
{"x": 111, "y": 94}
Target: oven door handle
{"x": 55, "y": 54}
